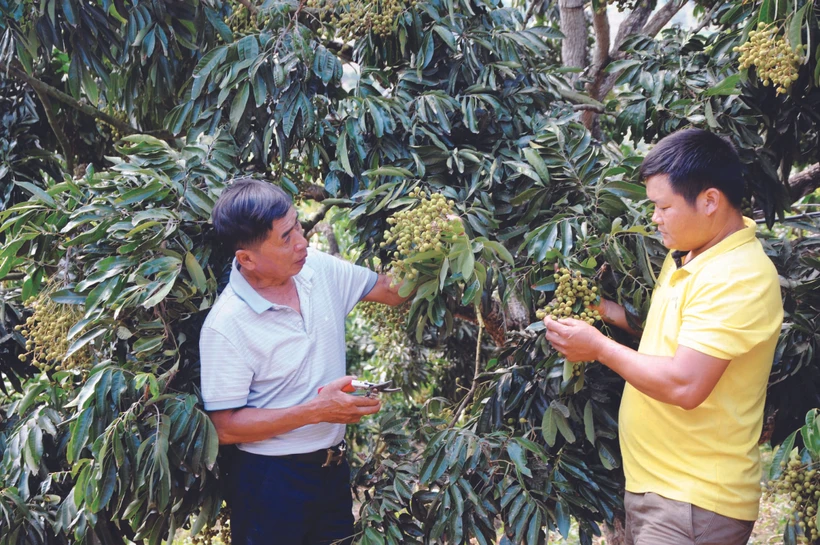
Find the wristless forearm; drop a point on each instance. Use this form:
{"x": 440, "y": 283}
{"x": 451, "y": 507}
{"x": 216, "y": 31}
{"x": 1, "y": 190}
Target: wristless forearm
{"x": 249, "y": 424}
{"x": 654, "y": 376}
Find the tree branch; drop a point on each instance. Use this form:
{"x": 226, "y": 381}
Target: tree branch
{"x": 314, "y": 192}
{"x": 476, "y": 373}
{"x": 57, "y": 127}
{"x": 662, "y": 17}
{"x": 308, "y": 225}
{"x": 706, "y": 18}
{"x": 536, "y": 4}
{"x": 580, "y": 98}
{"x": 343, "y": 51}
{"x": 600, "y": 23}
{"x": 589, "y": 108}
{"x": 46, "y": 89}
{"x": 805, "y": 182}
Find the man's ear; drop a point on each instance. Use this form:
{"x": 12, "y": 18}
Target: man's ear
{"x": 245, "y": 259}
{"x": 711, "y": 199}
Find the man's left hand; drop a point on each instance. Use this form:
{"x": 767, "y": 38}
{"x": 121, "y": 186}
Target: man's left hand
{"x": 576, "y": 340}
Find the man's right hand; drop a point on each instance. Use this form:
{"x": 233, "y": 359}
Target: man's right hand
{"x": 335, "y": 406}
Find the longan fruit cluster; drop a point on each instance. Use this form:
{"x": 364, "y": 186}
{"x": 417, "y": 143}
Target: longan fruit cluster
{"x": 219, "y": 533}
{"x": 354, "y": 18}
{"x": 46, "y": 332}
{"x": 776, "y": 62}
{"x": 242, "y": 21}
{"x": 430, "y": 226}
{"x": 120, "y": 115}
{"x": 573, "y": 297}
{"x": 384, "y": 317}
{"x": 802, "y": 486}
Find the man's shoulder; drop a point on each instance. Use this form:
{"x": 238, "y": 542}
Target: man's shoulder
{"x": 746, "y": 268}
{"x": 228, "y": 310}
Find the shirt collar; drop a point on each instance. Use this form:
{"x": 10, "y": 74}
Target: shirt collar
{"x": 259, "y": 304}
{"x": 738, "y": 238}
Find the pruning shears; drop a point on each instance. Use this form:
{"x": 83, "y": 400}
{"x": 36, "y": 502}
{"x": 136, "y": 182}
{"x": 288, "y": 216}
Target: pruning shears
{"x": 372, "y": 388}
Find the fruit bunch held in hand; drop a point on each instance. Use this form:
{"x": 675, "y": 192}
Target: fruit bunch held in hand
{"x": 574, "y": 296}
{"x": 422, "y": 235}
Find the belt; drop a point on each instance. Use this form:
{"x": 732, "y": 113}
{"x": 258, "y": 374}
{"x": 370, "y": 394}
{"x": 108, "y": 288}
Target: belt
{"x": 327, "y": 457}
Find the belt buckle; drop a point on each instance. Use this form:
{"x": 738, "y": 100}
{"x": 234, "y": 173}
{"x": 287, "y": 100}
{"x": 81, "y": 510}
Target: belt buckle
{"x": 335, "y": 455}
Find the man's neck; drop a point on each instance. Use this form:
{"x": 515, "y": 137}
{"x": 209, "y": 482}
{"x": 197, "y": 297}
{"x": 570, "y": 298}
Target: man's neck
{"x": 261, "y": 284}
{"x": 732, "y": 225}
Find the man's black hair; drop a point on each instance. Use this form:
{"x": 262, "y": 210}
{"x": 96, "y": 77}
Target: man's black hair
{"x": 696, "y": 160}
{"x": 244, "y": 213}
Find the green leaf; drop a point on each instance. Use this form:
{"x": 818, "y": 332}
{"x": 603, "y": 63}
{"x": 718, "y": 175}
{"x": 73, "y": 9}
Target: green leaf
{"x": 388, "y": 171}
{"x": 238, "y": 104}
{"x": 519, "y": 458}
{"x": 589, "y": 426}
{"x": 535, "y": 160}
{"x": 500, "y": 251}
{"x": 729, "y": 86}
{"x": 85, "y": 339}
{"x": 79, "y": 434}
{"x": 811, "y": 433}
{"x": 549, "y": 426}
{"x": 562, "y": 518}
{"x": 781, "y": 457}
{"x": 196, "y": 272}
{"x": 36, "y": 192}
{"x": 564, "y": 427}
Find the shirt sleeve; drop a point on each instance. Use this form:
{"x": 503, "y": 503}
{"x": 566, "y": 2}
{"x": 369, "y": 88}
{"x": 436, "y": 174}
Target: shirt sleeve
{"x": 727, "y": 319}
{"x": 225, "y": 374}
{"x": 353, "y": 281}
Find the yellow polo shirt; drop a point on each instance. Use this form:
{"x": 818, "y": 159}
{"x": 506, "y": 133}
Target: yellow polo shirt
{"x": 725, "y": 303}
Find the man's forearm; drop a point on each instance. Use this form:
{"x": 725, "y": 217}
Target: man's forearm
{"x": 615, "y": 314}
{"x": 655, "y": 376}
{"x": 250, "y": 424}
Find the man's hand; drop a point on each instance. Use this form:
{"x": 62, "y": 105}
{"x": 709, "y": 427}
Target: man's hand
{"x": 576, "y": 340}
{"x": 337, "y": 407}
{"x": 385, "y": 292}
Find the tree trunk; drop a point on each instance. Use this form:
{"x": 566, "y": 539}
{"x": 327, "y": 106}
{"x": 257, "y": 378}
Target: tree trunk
{"x": 574, "y": 27}
{"x": 615, "y": 535}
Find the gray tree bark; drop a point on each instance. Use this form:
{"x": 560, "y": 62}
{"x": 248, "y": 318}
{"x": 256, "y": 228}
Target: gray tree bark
{"x": 574, "y": 27}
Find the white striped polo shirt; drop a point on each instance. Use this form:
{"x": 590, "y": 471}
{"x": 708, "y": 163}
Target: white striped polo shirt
{"x": 259, "y": 354}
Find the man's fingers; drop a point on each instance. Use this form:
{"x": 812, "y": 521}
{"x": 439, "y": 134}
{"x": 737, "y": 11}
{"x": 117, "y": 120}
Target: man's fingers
{"x": 370, "y": 409}
{"x": 364, "y": 401}
{"x": 340, "y": 383}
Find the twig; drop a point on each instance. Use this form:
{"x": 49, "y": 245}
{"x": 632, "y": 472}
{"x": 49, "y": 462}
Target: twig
{"x": 289, "y": 27}
{"x": 706, "y": 18}
{"x": 477, "y": 372}
{"x": 253, "y": 9}
{"x": 807, "y": 215}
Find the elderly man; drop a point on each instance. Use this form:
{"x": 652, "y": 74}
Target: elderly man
{"x": 692, "y": 408}
{"x": 274, "y": 338}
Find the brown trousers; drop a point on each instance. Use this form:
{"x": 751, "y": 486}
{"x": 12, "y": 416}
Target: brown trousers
{"x": 654, "y": 520}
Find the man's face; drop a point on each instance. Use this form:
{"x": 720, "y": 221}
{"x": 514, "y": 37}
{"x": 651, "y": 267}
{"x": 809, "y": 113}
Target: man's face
{"x": 682, "y": 225}
{"x": 282, "y": 254}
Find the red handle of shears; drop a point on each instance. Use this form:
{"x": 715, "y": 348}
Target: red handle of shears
{"x": 347, "y": 389}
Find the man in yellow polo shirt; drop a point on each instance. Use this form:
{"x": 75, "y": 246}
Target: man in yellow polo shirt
{"x": 692, "y": 408}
